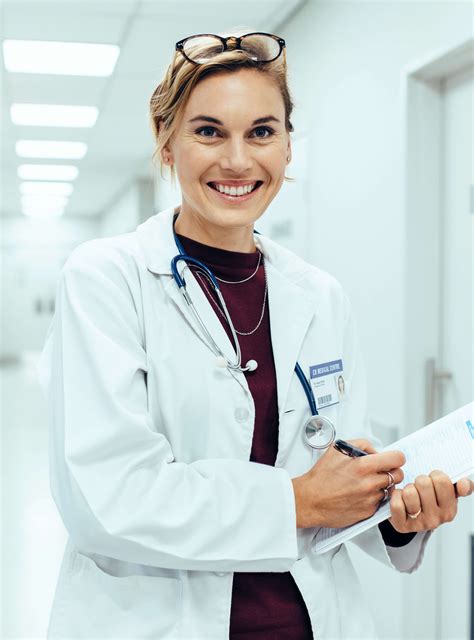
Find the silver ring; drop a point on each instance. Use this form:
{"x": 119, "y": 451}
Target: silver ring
{"x": 414, "y": 516}
{"x": 385, "y": 494}
{"x": 391, "y": 480}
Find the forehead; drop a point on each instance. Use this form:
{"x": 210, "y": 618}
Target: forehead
{"x": 226, "y": 93}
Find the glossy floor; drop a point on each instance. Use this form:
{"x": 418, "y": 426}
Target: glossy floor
{"x": 33, "y": 536}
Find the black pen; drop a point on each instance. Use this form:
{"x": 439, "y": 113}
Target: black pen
{"x": 349, "y": 449}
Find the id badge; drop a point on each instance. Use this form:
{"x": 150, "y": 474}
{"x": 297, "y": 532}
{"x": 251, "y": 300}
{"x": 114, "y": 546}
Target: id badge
{"x": 327, "y": 382}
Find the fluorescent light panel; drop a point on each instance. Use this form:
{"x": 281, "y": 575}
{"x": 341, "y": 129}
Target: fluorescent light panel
{"x": 60, "y": 58}
{"x": 42, "y": 213}
{"x": 46, "y": 188}
{"x": 43, "y": 201}
{"x": 47, "y": 172}
{"x": 51, "y": 149}
{"x": 53, "y": 115}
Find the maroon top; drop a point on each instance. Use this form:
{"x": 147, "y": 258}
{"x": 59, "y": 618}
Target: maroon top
{"x": 265, "y": 606}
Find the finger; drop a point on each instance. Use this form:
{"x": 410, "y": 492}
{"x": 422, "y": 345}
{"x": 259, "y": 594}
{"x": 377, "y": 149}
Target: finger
{"x": 386, "y": 460}
{"x": 399, "y": 518}
{"x": 411, "y": 499}
{"x": 384, "y": 480}
{"x": 444, "y": 489}
{"x": 425, "y": 488}
{"x": 363, "y": 444}
{"x": 464, "y": 487}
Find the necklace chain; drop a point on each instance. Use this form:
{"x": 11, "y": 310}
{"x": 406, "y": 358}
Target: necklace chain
{"x": 245, "y": 279}
{"x": 243, "y": 333}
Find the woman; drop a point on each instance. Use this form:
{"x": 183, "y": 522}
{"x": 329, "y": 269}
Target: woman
{"x": 178, "y": 461}
{"x": 341, "y": 387}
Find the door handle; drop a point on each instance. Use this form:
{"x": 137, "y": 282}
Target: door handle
{"x": 434, "y": 379}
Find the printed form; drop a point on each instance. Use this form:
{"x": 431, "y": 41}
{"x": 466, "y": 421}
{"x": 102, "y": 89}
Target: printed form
{"x": 446, "y": 444}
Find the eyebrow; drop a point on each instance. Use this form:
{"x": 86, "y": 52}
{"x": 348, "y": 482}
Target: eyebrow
{"x": 216, "y": 121}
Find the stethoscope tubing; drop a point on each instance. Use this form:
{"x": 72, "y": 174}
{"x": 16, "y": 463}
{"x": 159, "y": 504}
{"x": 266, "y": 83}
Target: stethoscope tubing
{"x": 180, "y": 281}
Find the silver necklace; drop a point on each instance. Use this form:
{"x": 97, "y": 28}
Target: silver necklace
{"x": 244, "y": 333}
{"x": 245, "y": 279}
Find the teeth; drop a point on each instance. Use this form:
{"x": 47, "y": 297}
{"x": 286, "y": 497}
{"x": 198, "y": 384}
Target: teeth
{"x": 234, "y": 191}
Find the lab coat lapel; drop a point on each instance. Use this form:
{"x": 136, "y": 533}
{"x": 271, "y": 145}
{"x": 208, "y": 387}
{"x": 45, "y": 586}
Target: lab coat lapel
{"x": 203, "y": 308}
{"x": 291, "y": 310}
{"x": 291, "y": 313}
{"x": 156, "y": 239}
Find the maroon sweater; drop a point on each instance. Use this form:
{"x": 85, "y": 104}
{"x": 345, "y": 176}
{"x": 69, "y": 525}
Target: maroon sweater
{"x": 265, "y": 606}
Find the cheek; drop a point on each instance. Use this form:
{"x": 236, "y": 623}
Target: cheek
{"x": 189, "y": 164}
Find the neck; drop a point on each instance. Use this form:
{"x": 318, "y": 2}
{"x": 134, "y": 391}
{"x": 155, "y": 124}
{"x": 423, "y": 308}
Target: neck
{"x": 231, "y": 239}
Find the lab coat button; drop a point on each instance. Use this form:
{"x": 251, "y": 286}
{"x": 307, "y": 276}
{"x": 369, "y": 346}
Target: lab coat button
{"x": 241, "y": 414}
{"x": 220, "y": 573}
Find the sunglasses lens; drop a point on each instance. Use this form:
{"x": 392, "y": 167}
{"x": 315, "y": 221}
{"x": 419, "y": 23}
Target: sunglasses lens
{"x": 202, "y": 48}
{"x": 261, "y": 48}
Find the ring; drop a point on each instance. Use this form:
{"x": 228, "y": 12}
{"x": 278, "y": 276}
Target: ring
{"x": 414, "y": 516}
{"x": 391, "y": 480}
{"x": 385, "y": 494}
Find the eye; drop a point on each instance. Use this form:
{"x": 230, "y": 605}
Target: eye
{"x": 268, "y": 130}
{"x": 199, "y": 131}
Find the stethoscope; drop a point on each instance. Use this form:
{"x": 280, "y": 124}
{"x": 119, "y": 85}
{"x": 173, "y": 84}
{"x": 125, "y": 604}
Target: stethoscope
{"x": 318, "y": 431}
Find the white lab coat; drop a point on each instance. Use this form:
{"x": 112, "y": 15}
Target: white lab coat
{"x": 150, "y": 445}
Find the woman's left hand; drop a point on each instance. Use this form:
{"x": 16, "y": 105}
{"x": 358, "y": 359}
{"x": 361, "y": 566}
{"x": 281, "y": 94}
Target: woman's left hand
{"x": 433, "y": 497}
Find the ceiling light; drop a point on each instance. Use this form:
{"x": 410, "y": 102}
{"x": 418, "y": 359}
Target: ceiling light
{"x": 46, "y": 188}
{"x": 53, "y": 115}
{"x": 47, "y": 172}
{"x": 51, "y": 149}
{"x": 63, "y": 58}
{"x": 38, "y": 212}
{"x": 43, "y": 202}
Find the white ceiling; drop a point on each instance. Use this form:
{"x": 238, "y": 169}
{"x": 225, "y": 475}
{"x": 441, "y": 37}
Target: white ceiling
{"x": 121, "y": 143}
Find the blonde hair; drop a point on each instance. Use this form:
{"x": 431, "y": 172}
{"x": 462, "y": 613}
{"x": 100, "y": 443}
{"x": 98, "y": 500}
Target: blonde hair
{"x": 169, "y": 99}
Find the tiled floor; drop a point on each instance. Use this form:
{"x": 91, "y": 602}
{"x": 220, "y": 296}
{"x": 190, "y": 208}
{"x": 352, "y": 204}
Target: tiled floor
{"x": 32, "y": 534}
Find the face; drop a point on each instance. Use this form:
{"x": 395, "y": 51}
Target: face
{"x": 232, "y": 133}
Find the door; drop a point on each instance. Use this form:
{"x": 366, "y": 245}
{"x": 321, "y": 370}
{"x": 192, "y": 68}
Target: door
{"x": 456, "y": 332}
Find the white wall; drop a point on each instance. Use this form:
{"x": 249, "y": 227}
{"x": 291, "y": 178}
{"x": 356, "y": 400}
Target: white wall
{"x": 123, "y": 215}
{"x": 345, "y": 62}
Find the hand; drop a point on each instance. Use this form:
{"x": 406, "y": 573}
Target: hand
{"x": 435, "y": 495}
{"x": 339, "y": 491}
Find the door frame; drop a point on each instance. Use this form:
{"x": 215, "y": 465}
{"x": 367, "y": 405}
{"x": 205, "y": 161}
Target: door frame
{"x": 422, "y": 84}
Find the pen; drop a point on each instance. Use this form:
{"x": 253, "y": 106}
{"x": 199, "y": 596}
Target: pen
{"x": 348, "y": 449}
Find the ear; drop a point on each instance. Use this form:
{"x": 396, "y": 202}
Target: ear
{"x": 166, "y": 153}
{"x": 288, "y": 150}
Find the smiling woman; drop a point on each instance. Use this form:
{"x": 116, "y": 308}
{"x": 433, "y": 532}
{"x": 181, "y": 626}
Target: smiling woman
{"x": 231, "y": 156}
{"x": 185, "y": 477}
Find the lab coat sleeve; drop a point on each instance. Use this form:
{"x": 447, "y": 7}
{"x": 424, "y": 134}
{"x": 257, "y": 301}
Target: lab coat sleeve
{"x": 113, "y": 476}
{"x": 405, "y": 559}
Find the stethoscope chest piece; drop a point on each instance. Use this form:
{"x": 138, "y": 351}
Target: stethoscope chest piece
{"x": 319, "y": 432}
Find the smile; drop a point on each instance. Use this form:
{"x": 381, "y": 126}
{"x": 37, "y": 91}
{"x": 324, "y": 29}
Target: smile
{"x": 235, "y": 193}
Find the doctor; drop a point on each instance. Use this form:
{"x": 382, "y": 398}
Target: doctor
{"x": 179, "y": 461}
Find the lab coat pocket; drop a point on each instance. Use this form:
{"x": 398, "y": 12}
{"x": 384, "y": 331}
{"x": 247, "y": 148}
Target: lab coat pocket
{"x": 93, "y": 604}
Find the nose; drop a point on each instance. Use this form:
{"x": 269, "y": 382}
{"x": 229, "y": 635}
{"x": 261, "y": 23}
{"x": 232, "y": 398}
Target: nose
{"x": 235, "y": 156}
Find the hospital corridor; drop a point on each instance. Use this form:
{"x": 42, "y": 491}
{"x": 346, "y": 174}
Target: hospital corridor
{"x": 206, "y": 331}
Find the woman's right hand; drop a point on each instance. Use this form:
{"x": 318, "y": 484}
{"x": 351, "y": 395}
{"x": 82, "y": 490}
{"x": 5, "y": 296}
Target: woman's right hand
{"x": 339, "y": 491}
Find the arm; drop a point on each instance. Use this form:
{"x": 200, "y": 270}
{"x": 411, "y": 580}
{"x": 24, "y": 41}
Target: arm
{"x": 113, "y": 475}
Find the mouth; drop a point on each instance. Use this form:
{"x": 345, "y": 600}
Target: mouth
{"x": 235, "y": 193}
